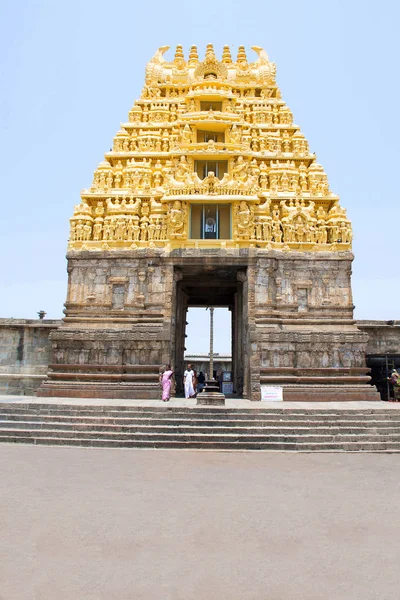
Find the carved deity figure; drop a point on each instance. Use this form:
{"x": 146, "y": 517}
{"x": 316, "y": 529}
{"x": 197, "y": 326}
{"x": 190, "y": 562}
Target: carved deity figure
{"x": 79, "y": 231}
{"x": 186, "y": 134}
{"x": 151, "y": 230}
{"x": 176, "y": 219}
{"x": 72, "y": 235}
{"x": 239, "y": 171}
{"x": 284, "y": 181}
{"x": 277, "y": 231}
{"x": 144, "y": 221}
{"x": 157, "y": 231}
{"x": 244, "y": 220}
{"x": 136, "y": 232}
{"x": 235, "y": 135}
{"x": 266, "y": 229}
{"x": 129, "y": 230}
{"x": 97, "y": 231}
{"x": 109, "y": 179}
{"x": 86, "y": 231}
{"x": 211, "y": 181}
{"x": 287, "y": 231}
{"x": 157, "y": 179}
{"x": 301, "y": 229}
{"x": 345, "y": 232}
{"x": 119, "y": 230}
{"x": 182, "y": 174}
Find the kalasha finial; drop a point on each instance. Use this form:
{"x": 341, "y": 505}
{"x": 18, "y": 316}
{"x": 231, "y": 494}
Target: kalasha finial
{"x": 210, "y": 54}
{"x": 193, "y": 56}
{"x": 179, "y": 53}
{"x": 241, "y": 57}
{"x": 226, "y": 55}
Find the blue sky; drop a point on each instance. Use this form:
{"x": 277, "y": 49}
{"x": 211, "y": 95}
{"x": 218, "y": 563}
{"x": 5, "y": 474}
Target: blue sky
{"x": 71, "y": 71}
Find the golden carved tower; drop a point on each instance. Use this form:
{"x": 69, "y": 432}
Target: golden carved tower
{"x": 210, "y": 197}
{"x": 210, "y": 157}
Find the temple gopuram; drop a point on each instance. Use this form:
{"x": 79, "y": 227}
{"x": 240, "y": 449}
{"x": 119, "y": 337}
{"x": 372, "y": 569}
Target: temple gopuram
{"x": 210, "y": 196}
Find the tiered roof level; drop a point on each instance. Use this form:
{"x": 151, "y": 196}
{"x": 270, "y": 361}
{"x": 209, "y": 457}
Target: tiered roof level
{"x": 210, "y": 133}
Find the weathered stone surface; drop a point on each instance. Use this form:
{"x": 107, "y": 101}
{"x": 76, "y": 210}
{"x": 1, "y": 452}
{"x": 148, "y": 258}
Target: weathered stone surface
{"x": 383, "y": 336}
{"x": 126, "y": 313}
{"x": 303, "y": 355}
{"x": 24, "y": 354}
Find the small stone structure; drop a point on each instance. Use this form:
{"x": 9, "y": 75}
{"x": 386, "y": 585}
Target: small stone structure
{"x": 24, "y": 354}
{"x": 383, "y": 336}
{"x": 382, "y": 352}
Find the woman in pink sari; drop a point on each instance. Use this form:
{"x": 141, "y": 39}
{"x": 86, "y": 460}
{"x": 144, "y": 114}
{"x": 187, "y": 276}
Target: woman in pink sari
{"x": 166, "y": 381}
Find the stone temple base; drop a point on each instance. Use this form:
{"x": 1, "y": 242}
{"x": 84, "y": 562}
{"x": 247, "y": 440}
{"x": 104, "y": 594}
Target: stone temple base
{"x": 119, "y": 391}
{"x": 292, "y": 323}
{"x": 330, "y": 393}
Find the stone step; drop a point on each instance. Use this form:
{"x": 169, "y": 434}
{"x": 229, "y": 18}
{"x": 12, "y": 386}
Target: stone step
{"x": 231, "y": 415}
{"x": 374, "y": 430}
{"x": 216, "y": 412}
{"x": 229, "y": 421}
{"x": 159, "y": 438}
{"x": 391, "y": 447}
{"x": 199, "y": 427}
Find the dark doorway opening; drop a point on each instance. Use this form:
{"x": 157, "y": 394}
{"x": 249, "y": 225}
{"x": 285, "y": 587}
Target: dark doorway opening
{"x": 218, "y": 287}
{"x": 381, "y": 366}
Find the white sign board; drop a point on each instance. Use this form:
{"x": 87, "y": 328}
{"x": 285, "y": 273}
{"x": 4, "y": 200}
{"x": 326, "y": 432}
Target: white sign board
{"x": 271, "y": 393}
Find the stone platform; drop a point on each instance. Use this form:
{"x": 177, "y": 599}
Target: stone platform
{"x": 181, "y": 424}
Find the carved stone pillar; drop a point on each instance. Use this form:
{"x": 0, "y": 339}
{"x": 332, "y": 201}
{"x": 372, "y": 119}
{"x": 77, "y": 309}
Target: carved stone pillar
{"x": 211, "y": 393}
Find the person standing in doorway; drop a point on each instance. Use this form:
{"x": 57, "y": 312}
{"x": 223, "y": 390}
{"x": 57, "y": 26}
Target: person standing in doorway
{"x": 188, "y": 378}
{"x": 195, "y": 381}
{"x": 200, "y": 382}
{"x": 395, "y": 381}
{"x": 166, "y": 381}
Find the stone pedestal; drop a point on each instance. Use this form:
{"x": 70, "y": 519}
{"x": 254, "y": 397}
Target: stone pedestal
{"x": 211, "y": 394}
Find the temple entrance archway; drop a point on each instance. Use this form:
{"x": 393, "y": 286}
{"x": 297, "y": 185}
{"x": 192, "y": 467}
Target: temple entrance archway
{"x": 218, "y": 287}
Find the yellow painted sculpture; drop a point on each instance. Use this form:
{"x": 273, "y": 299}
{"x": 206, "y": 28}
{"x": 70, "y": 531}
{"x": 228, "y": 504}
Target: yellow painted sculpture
{"x": 210, "y": 157}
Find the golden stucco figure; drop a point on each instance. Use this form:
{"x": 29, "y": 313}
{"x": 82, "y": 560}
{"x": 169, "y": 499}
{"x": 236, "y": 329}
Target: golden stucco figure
{"x": 210, "y": 137}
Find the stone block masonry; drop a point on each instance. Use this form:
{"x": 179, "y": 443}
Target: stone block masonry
{"x": 24, "y": 354}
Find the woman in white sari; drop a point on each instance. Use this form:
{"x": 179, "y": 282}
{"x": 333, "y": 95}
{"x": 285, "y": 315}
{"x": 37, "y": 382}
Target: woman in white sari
{"x": 188, "y": 382}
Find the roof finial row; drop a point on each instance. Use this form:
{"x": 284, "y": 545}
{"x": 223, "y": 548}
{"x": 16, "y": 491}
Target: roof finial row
{"x": 193, "y": 56}
{"x": 210, "y": 54}
{"x": 179, "y": 53}
{"x": 226, "y": 55}
{"x": 241, "y": 57}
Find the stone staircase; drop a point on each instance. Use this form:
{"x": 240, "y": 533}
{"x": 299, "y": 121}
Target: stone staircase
{"x": 370, "y": 430}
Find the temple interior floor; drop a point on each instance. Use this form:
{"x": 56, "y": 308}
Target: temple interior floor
{"x": 105, "y": 524}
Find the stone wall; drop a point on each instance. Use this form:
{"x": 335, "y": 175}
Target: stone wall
{"x": 25, "y": 350}
{"x": 125, "y": 315}
{"x": 383, "y": 336}
{"x": 24, "y": 354}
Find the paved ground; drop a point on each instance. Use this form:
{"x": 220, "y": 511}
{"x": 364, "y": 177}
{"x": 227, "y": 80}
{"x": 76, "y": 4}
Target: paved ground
{"x": 191, "y": 402}
{"x": 101, "y": 524}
